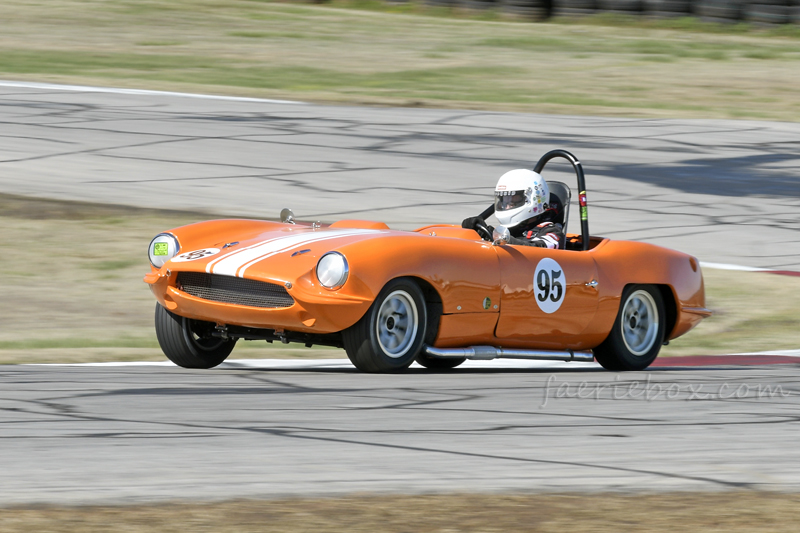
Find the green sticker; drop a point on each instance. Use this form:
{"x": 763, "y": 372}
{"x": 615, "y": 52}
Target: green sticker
{"x": 161, "y": 248}
{"x": 584, "y": 213}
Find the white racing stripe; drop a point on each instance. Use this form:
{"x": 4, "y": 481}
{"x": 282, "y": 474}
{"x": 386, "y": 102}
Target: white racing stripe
{"x": 237, "y": 264}
{"x": 216, "y": 260}
{"x": 293, "y": 247}
{"x": 211, "y": 264}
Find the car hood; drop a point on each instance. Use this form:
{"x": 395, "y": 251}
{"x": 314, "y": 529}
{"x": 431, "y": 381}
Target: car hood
{"x": 231, "y": 257}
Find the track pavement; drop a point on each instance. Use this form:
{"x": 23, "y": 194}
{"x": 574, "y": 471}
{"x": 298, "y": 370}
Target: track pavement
{"x": 725, "y": 191}
{"x": 111, "y": 434}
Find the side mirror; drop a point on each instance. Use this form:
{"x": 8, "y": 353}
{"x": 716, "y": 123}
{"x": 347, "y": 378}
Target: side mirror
{"x": 500, "y": 236}
{"x": 287, "y": 217}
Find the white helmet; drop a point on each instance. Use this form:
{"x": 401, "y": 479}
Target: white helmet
{"x": 520, "y": 194}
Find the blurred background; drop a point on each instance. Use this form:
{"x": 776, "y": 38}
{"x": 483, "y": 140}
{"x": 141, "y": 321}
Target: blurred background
{"x": 121, "y": 119}
{"x": 418, "y": 108}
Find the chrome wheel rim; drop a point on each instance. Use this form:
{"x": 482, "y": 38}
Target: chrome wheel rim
{"x": 397, "y": 324}
{"x": 639, "y": 322}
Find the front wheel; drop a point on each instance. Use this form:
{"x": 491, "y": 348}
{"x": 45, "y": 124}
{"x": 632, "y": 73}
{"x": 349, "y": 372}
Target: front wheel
{"x": 390, "y": 335}
{"x": 638, "y": 332}
{"x": 189, "y": 343}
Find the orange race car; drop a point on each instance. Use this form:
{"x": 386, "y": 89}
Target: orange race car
{"x": 439, "y": 295}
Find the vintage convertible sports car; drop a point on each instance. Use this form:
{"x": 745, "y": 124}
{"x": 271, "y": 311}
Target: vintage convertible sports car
{"x": 439, "y": 295}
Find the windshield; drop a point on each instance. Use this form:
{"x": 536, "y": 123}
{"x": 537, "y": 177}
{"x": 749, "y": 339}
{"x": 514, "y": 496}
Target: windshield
{"x": 505, "y": 200}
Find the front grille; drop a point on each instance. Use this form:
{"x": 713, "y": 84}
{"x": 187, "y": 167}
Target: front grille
{"x": 232, "y": 290}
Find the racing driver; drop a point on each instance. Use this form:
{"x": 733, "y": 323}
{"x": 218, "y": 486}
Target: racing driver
{"x": 522, "y": 203}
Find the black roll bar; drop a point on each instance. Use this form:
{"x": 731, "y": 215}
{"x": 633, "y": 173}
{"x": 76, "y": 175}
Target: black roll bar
{"x": 489, "y": 211}
{"x": 552, "y": 154}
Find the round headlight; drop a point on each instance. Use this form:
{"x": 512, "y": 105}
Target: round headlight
{"x": 332, "y": 270}
{"x": 163, "y": 248}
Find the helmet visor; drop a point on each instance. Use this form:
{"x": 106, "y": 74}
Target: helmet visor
{"x": 505, "y": 200}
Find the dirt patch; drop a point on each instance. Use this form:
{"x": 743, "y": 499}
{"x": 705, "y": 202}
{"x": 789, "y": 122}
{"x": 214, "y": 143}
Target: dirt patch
{"x": 72, "y": 274}
{"x": 751, "y": 314}
{"x": 598, "y": 513}
{"x": 27, "y": 208}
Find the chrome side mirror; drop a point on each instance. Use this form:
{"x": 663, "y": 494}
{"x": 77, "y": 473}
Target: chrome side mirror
{"x": 500, "y": 236}
{"x": 287, "y": 217}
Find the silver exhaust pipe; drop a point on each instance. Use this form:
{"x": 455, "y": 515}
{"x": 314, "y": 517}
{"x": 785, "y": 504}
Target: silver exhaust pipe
{"x": 485, "y": 353}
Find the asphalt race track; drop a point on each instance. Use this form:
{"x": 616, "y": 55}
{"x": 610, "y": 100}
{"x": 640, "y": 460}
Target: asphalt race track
{"x": 134, "y": 434}
{"x": 725, "y": 191}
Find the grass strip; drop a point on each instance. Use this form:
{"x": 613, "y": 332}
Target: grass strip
{"x": 73, "y": 274}
{"x": 447, "y": 513}
{"x": 369, "y": 52}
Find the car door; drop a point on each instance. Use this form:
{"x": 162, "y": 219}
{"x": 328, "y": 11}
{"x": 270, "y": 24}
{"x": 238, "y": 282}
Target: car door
{"x": 547, "y": 296}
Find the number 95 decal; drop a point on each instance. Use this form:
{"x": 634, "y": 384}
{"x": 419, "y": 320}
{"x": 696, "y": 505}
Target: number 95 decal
{"x": 549, "y": 285}
{"x": 195, "y": 255}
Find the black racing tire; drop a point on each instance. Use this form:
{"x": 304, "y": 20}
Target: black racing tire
{"x": 188, "y": 343}
{"x": 434, "y": 309}
{"x": 390, "y": 335}
{"x": 638, "y": 332}
{"x": 439, "y": 363}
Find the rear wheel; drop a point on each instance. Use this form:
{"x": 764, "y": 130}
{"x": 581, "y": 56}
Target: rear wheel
{"x": 390, "y": 335}
{"x": 638, "y": 332}
{"x": 189, "y": 343}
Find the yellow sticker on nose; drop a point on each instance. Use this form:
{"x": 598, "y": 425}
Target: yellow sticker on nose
{"x": 161, "y": 248}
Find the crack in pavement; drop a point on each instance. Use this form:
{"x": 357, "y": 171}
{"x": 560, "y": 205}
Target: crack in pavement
{"x": 302, "y": 429}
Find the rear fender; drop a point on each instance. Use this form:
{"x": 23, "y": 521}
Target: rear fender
{"x": 678, "y": 276}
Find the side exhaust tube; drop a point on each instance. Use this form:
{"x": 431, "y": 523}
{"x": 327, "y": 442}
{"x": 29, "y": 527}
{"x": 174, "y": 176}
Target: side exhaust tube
{"x": 485, "y": 353}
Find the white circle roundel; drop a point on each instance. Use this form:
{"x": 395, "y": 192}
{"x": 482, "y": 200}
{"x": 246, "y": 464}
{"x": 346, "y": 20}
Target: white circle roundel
{"x": 195, "y": 255}
{"x": 549, "y": 285}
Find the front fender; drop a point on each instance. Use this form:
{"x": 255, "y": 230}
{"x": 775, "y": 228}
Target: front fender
{"x": 464, "y": 272}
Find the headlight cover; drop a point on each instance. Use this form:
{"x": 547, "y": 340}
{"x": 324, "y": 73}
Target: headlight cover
{"x": 162, "y": 248}
{"x": 332, "y": 270}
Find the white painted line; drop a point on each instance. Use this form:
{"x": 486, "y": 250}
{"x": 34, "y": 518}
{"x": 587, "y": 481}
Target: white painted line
{"x": 115, "y": 90}
{"x": 725, "y": 266}
{"x": 111, "y": 364}
{"x": 783, "y": 353}
{"x": 289, "y": 364}
{"x": 345, "y": 364}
